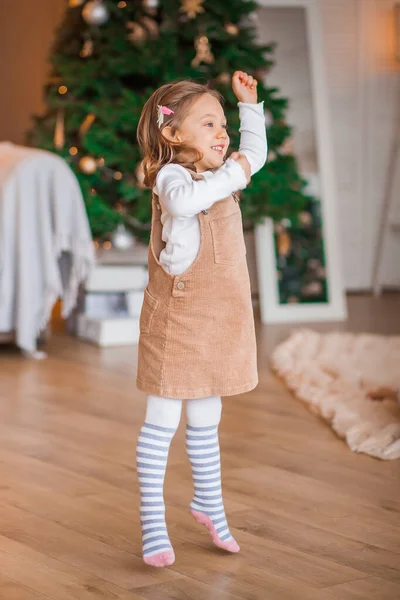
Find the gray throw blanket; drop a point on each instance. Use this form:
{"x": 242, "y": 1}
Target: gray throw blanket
{"x": 42, "y": 216}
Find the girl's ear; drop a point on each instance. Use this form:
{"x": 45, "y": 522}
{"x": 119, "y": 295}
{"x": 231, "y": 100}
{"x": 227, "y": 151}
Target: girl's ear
{"x": 171, "y": 137}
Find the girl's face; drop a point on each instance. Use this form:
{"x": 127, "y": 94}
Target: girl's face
{"x": 205, "y": 128}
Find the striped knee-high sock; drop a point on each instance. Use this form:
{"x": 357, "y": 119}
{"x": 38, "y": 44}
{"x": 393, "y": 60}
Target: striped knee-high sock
{"x": 207, "y": 505}
{"x": 152, "y": 455}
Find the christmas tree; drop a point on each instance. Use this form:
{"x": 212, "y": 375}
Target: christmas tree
{"x": 110, "y": 55}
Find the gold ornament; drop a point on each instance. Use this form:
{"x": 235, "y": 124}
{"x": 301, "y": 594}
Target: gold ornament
{"x": 87, "y": 49}
{"x": 152, "y": 26}
{"x": 86, "y": 124}
{"x": 284, "y": 243}
{"x": 75, "y": 3}
{"x": 59, "y": 135}
{"x": 192, "y": 8}
{"x": 287, "y": 147}
{"x": 137, "y": 32}
{"x": 139, "y": 172}
{"x": 231, "y": 29}
{"x": 203, "y": 51}
{"x": 88, "y": 165}
{"x": 305, "y": 218}
{"x": 62, "y": 89}
{"x": 224, "y": 78}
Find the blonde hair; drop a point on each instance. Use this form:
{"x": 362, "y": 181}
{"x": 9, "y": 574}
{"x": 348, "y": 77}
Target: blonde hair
{"x": 157, "y": 150}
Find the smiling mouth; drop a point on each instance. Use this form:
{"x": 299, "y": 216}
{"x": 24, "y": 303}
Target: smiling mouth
{"x": 219, "y": 149}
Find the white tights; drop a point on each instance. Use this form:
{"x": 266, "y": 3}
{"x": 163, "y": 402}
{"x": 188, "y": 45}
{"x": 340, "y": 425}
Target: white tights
{"x": 166, "y": 412}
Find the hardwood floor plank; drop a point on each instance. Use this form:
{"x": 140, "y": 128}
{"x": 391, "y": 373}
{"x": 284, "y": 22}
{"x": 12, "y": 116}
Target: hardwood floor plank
{"x": 341, "y": 550}
{"x": 56, "y": 579}
{"x": 371, "y": 588}
{"x": 96, "y": 558}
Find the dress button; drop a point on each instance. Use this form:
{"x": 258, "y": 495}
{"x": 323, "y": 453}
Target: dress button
{"x": 180, "y": 285}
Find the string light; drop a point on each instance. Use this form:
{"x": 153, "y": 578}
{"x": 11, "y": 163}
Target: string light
{"x": 107, "y": 245}
{"x": 100, "y": 162}
{"x": 96, "y": 244}
{"x": 62, "y": 89}
{"x": 122, "y": 4}
{"x": 117, "y": 175}
{"x": 73, "y": 150}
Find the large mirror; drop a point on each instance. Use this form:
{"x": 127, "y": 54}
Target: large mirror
{"x": 299, "y": 264}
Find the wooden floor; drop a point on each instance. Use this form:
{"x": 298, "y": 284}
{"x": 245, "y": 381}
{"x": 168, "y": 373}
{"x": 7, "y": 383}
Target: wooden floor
{"x": 314, "y": 520}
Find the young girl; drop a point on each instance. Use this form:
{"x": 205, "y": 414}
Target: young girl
{"x": 197, "y": 338}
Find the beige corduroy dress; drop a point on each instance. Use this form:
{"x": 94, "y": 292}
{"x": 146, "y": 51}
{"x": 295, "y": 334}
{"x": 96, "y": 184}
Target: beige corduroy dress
{"x": 197, "y": 336}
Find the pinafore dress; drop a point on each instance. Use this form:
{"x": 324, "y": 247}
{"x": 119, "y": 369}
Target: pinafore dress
{"x": 197, "y": 334}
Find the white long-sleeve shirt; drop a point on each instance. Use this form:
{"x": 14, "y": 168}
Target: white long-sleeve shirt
{"x": 182, "y": 199}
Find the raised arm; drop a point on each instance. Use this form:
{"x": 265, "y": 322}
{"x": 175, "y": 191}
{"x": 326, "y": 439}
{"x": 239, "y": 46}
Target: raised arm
{"x": 253, "y": 139}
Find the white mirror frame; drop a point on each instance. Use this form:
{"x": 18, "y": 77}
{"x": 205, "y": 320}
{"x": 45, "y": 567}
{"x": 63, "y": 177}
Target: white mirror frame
{"x": 335, "y": 308}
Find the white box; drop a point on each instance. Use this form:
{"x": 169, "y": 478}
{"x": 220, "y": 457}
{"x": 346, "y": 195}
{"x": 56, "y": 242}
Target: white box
{"x": 117, "y": 278}
{"x": 108, "y": 332}
{"x": 107, "y": 305}
{"x": 134, "y": 301}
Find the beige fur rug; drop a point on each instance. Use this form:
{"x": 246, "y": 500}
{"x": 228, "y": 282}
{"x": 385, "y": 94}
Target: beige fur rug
{"x": 350, "y": 380}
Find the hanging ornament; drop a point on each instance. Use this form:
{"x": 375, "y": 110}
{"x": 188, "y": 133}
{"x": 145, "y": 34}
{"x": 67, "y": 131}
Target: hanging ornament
{"x": 139, "y": 172}
{"x": 122, "y": 239}
{"x": 59, "y": 135}
{"x": 88, "y": 165}
{"x": 224, "y": 78}
{"x": 137, "y": 32}
{"x": 150, "y": 6}
{"x": 305, "y": 218}
{"x": 152, "y": 27}
{"x": 74, "y": 3}
{"x": 87, "y": 48}
{"x": 284, "y": 243}
{"x": 268, "y": 118}
{"x": 314, "y": 288}
{"x": 86, "y": 124}
{"x": 95, "y": 13}
{"x": 231, "y": 29}
{"x": 287, "y": 147}
{"x": 203, "y": 51}
{"x": 192, "y": 8}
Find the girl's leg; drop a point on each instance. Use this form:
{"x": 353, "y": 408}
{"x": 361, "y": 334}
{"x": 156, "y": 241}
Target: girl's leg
{"x": 203, "y": 416}
{"x": 162, "y": 420}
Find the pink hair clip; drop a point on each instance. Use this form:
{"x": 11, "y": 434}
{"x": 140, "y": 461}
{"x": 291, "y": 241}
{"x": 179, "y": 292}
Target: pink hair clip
{"x": 161, "y": 111}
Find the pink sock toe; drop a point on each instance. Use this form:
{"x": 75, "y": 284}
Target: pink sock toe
{"x": 229, "y": 545}
{"x": 162, "y": 559}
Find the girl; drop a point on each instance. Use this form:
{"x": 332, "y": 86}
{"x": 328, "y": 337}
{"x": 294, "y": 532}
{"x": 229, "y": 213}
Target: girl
{"x": 197, "y": 339}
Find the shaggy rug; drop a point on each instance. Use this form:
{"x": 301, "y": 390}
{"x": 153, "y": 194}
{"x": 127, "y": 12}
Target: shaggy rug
{"x": 350, "y": 380}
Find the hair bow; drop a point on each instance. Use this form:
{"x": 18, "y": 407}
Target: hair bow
{"x": 161, "y": 111}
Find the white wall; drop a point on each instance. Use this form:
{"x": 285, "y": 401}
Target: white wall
{"x": 364, "y": 90}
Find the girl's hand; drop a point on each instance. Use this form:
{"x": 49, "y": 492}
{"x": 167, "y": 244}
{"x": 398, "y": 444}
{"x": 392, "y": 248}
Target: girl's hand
{"x": 244, "y": 87}
{"x": 243, "y": 162}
